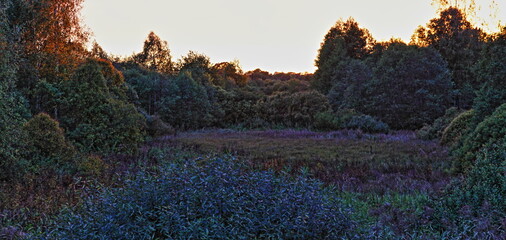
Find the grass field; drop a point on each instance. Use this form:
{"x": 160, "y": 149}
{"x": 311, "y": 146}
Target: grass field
{"x": 353, "y": 161}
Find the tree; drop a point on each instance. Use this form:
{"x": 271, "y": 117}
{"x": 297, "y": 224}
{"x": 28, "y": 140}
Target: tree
{"x": 410, "y": 87}
{"x": 13, "y": 111}
{"x": 344, "y": 40}
{"x": 349, "y": 84}
{"x": 199, "y": 65}
{"x": 187, "y": 104}
{"x": 51, "y": 35}
{"x": 454, "y": 37}
{"x": 48, "y": 149}
{"x": 98, "y": 52}
{"x": 155, "y": 55}
{"x": 228, "y": 74}
{"x": 94, "y": 117}
{"x": 491, "y": 71}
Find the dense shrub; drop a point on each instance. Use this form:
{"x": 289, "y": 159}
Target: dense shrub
{"x": 457, "y": 128}
{"x": 492, "y": 131}
{"x": 96, "y": 116}
{"x": 348, "y": 119}
{"x": 157, "y": 127}
{"x": 475, "y": 208}
{"x": 367, "y": 124}
{"x": 238, "y": 107}
{"x": 47, "y": 148}
{"x": 210, "y": 200}
{"x": 293, "y": 110}
{"x": 435, "y": 130}
{"x": 326, "y": 121}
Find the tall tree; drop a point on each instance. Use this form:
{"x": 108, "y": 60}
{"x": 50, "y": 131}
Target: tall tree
{"x": 155, "y": 55}
{"x": 459, "y": 42}
{"x": 13, "y": 111}
{"x": 491, "y": 71}
{"x": 343, "y": 41}
{"x": 50, "y": 44}
{"x": 187, "y": 104}
{"x": 410, "y": 87}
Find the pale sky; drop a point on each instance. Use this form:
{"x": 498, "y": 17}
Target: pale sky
{"x": 273, "y": 35}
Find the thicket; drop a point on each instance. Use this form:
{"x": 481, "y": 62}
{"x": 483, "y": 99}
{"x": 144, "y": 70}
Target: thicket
{"x": 458, "y": 128}
{"x": 211, "y": 199}
{"x": 490, "y": 132}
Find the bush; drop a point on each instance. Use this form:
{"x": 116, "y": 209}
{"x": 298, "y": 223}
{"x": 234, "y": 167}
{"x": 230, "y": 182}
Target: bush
{"x": 435, "y": 130}
{"x": 293, "y": 110}
{"x": 346, "y": 118}
{"x": 96, "y": 117}
{"x": 46, "y": 146}
{"x": 476, "y": 206}
{"x": 326, "y": 121}
{"x": 215, "y": 199}
{"x": 367, "y": 124}
{"x": 457, "y": 128}
{"x": 157, "y": 127}
{"x": 91, "y": 165}
{"x": 492, "y": 131}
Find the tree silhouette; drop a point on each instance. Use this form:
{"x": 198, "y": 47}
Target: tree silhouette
{"x": 459, "y": 43}
{"x": 155, "y": 55}
{"x": 343, "y": 41}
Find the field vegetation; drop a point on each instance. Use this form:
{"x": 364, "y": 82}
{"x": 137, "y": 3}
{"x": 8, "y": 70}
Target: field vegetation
{"x": 386, "y": 140}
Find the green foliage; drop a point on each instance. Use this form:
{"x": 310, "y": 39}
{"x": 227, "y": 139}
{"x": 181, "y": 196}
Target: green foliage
{"x": 238, "y": 107}
{"x": 435, "y": 130}
{"x": 454, "y": 37}
{"x": 199, "y": 65}
{"x": 214, "y": 199}
{"x": 95, "y": 118}
{"x": 91, "y": 165}
{"x": 490, "y": 132}
{"x": 156, "y": 127}
{"x": 187, "y": 105}
{"x": 457, "y": 128}
{"x": 13, "y": 107}
{"x": 149, "y": 86}
{"x": 343, "y": 41}
{"x": 478, "y": 200}
{"x": 349, "y": 119}
{"x": 293, "y": 110}
{"x": 411, "y": 87}
{"x": 47, "y": 147}
{"x": 367, "y": 124}
{"x": 490, "y": 71}
{"x": 349, "y": 84}
{"x": 155, "y": 55}
{"x": 326, "y": 121}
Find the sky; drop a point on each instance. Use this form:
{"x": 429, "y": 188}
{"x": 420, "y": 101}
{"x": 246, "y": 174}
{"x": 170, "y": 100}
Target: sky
{"x": 273, "y": 35}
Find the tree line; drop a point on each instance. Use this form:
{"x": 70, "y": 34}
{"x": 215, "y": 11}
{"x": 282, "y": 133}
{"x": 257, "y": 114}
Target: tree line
{"x": 88, "y": 102}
